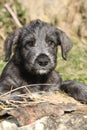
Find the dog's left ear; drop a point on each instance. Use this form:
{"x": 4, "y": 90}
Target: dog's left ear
{"x": 64, "y": 42}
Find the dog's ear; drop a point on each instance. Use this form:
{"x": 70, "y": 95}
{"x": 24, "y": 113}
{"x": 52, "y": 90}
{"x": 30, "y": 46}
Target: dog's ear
{"x": 11, "y": 42}
{"x": 64, "y": 42}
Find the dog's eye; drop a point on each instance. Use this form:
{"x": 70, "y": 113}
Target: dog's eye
{"x": 51, "y": 43}
{"x": 30, "y": 43}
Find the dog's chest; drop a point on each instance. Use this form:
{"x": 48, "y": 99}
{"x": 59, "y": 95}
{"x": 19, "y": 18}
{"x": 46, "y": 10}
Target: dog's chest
{"x": 35, "y": 83}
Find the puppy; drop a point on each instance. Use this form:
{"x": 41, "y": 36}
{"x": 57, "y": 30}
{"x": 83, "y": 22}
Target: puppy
{"x": 34, "y": 61}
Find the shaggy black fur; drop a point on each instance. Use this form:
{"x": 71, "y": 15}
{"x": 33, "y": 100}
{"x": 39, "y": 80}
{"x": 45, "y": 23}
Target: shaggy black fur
{"x": 34, "y": 61}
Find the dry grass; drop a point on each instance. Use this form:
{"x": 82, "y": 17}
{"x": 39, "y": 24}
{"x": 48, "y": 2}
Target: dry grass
{"x": 33, "y": 98}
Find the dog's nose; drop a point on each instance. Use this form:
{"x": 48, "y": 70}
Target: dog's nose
{"x": 43, "y": 60}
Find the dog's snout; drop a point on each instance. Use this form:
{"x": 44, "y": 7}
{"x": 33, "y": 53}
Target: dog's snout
{"x": 43, "y": 60}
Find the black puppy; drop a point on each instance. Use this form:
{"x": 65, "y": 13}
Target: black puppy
{"x": 34, "y": 61}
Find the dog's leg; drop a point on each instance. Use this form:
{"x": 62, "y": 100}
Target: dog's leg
{"x": 7, "y": 91}
{"x": 76, "y": 90}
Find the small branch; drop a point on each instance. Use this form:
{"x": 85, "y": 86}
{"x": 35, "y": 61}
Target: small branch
{"x": 13, "y": 15}
{"x": 22, "y": 87}
{"x": 2, "y": 35}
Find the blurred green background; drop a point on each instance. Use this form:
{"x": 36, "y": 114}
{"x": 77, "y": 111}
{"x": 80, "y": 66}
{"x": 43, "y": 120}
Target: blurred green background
{"x": 68, "y": 15}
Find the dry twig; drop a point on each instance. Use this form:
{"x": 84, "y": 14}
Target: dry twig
{"x": 13, "y": 15}
{"x": 2, "y": 36}
{"x": 22, "y": 88}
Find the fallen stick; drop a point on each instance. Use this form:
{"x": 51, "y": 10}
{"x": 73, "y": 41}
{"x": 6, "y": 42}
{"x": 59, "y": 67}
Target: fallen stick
{"x": 13, "y": 15}
{"x": 2, "y": 35}
{"x": 25, "y": 86}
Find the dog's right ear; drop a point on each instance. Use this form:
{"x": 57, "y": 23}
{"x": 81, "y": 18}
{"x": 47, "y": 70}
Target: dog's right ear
{"x": 11, "y": 42}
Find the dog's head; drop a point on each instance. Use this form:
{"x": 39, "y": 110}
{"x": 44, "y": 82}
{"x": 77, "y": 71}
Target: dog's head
{"x": 36, "y": 46}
